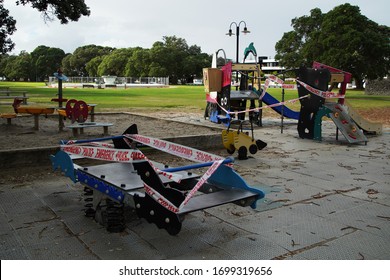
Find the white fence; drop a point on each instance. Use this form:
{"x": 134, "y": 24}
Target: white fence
{"x": 111, "y": 81}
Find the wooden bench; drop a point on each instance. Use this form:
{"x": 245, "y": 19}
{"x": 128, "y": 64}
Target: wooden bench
{"x": 8, "y": 117}
{"x": 24, "y": 98}
{"x": 80, "y": 126}
{"x": 8, "y": 94}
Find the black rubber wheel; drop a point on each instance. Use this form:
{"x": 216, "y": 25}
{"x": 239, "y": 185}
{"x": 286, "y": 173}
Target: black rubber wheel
{"x": 253, "y": 149}
{"x": 242, "y": 152}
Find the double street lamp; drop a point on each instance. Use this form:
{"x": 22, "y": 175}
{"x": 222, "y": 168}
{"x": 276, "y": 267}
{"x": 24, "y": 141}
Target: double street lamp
{"x": 230, "y": 33}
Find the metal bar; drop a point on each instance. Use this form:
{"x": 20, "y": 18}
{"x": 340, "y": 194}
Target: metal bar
{"x": 198, "y": 165}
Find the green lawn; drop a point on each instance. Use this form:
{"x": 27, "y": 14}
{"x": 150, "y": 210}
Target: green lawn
{"x": 191, "y": 97}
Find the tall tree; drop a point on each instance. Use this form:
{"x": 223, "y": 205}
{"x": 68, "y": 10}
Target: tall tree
{"x": 115, "y": 63}
{"x": 174, "y": 58}
{"x": 92, "y": 66}
{"x": 342, "y": 38}
{"x": 45, "y": 61}
{"x": 17, "y": 68}
{"x": 7, "y": 28}
{"x": 65, "y": 11}
{"x": 138, "y": 65}
{"x": 75, "y": 63}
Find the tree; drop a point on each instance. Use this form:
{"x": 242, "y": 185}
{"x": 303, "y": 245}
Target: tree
{"x": 138, "y": 65}
{"x": 342, "y": 38}
{"x": 174, "y": 58}
{"x": 65, "y": 11}
{"x": 7, "y": 27}
{"x": 18, "y": 67}
{"x": 92, "y": 66}
{"x": 45, "y": 61}
{"x": 194, "y": 63}
{"x": 115, "y": 63}
{"x": 75, "y": 64}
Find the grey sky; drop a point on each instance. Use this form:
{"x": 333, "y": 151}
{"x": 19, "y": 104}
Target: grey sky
{"x": 127, "y": 23}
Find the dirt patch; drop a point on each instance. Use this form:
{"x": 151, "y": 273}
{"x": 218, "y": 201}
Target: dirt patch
{"x": 160, "y": 124}
{"x": 380, "y": 115}
{"x": 21, "y": 133}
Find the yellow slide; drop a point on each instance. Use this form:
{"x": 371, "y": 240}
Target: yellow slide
{"x": 367, "y": 126}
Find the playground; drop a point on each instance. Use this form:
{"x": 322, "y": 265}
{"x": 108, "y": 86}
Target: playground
{"x": 326, "y": 200}
{"x": 298, "y": 189}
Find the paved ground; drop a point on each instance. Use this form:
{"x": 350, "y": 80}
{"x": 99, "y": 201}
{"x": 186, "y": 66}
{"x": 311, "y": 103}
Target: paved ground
{"x": 327, "y": 200}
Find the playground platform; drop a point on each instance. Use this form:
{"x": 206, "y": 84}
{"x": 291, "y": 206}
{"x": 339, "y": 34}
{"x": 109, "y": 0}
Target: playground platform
{"x": 326, "y": 200}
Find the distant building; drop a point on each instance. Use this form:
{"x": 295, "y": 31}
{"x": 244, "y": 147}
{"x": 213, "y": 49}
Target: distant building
{"x": 270, "y": 65}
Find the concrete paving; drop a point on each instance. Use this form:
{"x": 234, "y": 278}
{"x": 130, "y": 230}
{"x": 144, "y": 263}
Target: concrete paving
{"x": 324, "y": 200}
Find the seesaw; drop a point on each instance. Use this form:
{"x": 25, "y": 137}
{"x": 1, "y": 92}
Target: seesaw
{"x": 160, "y": 194}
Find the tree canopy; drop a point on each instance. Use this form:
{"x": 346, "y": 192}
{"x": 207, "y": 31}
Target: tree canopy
{"x": 171, "y": 57}
{"x": 342, "y": 38}
{"x": 65, "y": 11}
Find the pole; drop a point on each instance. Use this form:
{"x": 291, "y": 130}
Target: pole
{"x": 237, "y": 47}
{"x": 282, "y": 109}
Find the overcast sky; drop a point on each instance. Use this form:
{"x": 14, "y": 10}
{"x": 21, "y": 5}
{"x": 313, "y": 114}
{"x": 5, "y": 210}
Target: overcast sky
{"x": 128, "y": 23}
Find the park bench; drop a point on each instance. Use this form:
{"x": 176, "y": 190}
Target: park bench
{"x": 88, "y": 86}
{"x": 76, "y": 127}
{"x": 7, "y": 94}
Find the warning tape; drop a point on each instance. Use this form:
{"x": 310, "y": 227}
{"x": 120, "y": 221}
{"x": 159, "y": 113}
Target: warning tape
{"x": 273, "y": 78}
{"x": 201, "y": 181}
{"x": 174, "y": 149}
{"x": 110, "y": 154}
{"x": 320, "y": 93}
{"x": 104, "y": 153}
{"x": 160, "y": 199}
{"x": 167, "y": 204}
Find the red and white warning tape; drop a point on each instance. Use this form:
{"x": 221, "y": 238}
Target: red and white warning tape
{"x": 167, "y": 204}
{"x": 323, "y": 94}
{"x": 160, "y": 199}
{"x": 115, "y": 155}
{"x": 174, "y": 149}
{"x": 273, "y": 78}
{"x": 104, "y": 153}
{"x": 201, "y": 181}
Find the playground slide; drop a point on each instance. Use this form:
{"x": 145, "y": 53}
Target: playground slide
{"x": 344, "y": 122}
{"x": 367, "y": 126}
{"x": 287, "y": 112}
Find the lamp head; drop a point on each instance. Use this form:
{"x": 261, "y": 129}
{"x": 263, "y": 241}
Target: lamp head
{"x": 245, "y": 31}
{"x": 230, "y": 33}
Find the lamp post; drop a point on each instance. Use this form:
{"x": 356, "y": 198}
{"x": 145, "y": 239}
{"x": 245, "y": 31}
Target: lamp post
{"x": 230, "y": 33}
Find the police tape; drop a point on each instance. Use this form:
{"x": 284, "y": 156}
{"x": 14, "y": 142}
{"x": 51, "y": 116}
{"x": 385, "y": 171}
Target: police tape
{"x": 116, "y": 155}
{"x": 320, "y": 93}
{"x": 163, "y": 201}
{"x": 160, "y": 199}
{"x": 104, "y": 153}
{"x": 273, "y": 78}
{"x": 174, "y": 149}
{"x": 210, "y": 171}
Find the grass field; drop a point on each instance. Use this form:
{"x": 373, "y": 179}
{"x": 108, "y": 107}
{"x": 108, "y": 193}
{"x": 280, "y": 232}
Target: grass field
{"x": 174, "y": 97}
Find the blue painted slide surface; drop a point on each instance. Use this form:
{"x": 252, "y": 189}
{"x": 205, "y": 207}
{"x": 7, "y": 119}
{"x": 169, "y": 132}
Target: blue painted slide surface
{"x": 287, "y": 112}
